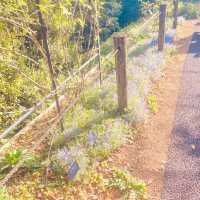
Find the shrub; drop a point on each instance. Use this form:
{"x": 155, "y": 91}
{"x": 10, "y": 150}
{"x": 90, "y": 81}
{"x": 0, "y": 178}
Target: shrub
{"x": 10, "y": 159}
{"x": 4, "y": 194}
{"x": 124, "y": 182}
{"x": 189, "y": 10}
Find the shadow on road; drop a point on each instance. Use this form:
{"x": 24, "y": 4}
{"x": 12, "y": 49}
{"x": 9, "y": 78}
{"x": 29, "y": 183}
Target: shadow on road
{"x": 195, "y": 45}
{"x": 187, "y": 142}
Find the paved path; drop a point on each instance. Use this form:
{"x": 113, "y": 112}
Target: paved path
{"x": 182, "y": 171}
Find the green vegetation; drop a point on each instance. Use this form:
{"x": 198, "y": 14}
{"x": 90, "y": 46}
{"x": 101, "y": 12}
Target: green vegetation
{"x": 124, "y": 182}
{"x": 22, "y": 50}
{"x": 10, "y": 159}
{"x": 189, "y": 10}
{"x": 72, "y": 31}
{"x": 152, "y": 103}
{"x": 4, "y": 195}
{"x": 96, "y": 128}
{"x": 93, "y": 128}
{"x": 130, "y": 12}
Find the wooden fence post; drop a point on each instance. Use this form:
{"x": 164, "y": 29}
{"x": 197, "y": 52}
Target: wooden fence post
{"x": 161, "y": 34}
{"x": 175, "y": 22}
{"x": 121, "y": 64}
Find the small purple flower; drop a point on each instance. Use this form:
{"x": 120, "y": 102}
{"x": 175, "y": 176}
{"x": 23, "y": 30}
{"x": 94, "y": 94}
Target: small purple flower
{"x": 92, "y": 138}
{"x": 64, "y": 155}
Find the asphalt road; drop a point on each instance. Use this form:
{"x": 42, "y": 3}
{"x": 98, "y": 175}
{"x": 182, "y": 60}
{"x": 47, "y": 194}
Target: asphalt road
{"x": 182, "y": 171}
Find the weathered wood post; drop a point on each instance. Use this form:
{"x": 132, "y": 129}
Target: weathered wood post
{"x": 175, "y": 22}
{"x": 161, "y": 34}
{"x": 121, "y": 64}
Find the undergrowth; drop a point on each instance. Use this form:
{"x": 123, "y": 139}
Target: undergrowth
{"x": 129, "y": 187}
{"x": 152, "y": 103}
{"x": 96, "y": 129}
{"x": 189, "y": 10}
{"x": 4, "y": 195}
{"x": 10, "y": 159}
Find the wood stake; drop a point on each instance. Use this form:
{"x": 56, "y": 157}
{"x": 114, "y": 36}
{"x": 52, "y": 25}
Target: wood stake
{"x": 161, "y": 34}
{"x": 175, "y": 23}
{"x": 121, "y": 64}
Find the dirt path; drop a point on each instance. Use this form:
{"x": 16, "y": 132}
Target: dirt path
{"x": 182, "y": 171}
{"x": 146, "y": 158}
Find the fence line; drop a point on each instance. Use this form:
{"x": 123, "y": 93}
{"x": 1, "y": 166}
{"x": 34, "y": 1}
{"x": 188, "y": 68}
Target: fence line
{"x": 147, "y": 22}
{"x": 50, "y": 95}
{"x": 62, "y": 86}
{"x": 20, "y": 163}
{"x": 40, "y": 103}
{"x": 48, "y": 131}
{"x": 143, "y": 26}
{"x": 33, "y": 109}
{"x": 120, "y": 55}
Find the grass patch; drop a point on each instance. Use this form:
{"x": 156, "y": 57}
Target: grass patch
{"x": 4, "y": 195}
{"x": 127, "y": 185}
{"x": 189, "y": 10}
{"x": 152, "y": 103}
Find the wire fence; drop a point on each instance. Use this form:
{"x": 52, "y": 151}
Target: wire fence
{"x": 79, "y": 80}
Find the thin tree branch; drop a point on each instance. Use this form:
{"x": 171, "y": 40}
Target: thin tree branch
{"x": 48, "y": 57}
{"x": 18, "y": 53}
